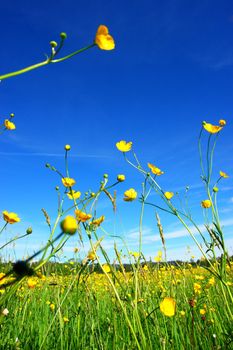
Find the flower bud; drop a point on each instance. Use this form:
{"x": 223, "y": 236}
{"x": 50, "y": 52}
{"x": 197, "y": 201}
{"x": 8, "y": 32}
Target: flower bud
{"x": 215, "y": 189}
{"x": 53, "y": 44}
{"x": 12, "y": 115}
{"x": 29, "y": 230}
{"x": 120, "y": 177}
{"x": 67, "y": 147}
{"x": 63, "y": 36}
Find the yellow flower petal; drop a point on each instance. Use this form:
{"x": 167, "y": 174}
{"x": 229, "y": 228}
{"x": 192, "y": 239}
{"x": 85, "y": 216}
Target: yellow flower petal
{"x": 130, "y": 195}
{"x": 155, "y": 170}
{"x": 81, "y": 216}
{"x": 103, "y": 39}
{"x": 73, "y": 194}
{"x": 222, "y": 122}
{"x": 222, "y": 174}
{"x": 68, "y": 182}
{"x": 168, "y": 195}
{"x": 206, "y": 203}
{"x": 9, "y": 125}
{"x": 10, "y": 218}
{"x": 168, "y": 306}
{"x": 124, "y": 146}
{"x": 212, "y": 129}
{"x": 98, "y": 221}
{"x": 69, "y": 225}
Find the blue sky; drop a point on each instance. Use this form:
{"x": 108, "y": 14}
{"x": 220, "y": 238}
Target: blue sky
{"x": 172, "y": 68}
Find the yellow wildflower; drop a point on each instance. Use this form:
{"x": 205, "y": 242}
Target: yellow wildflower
{"x": 120, "y": 178}
{"x": 74, "y": 194}
{"x": 202, "y": 312}
{"x": 197, "y": 288}
{"x": 91, "y": 255}
{"x": 135, "y": 254}
{"x": 168, "y": 306}
{"x": 68, "y": 182}
{"x": 169, "y": 195}
{"x": 130, "y": 195}
{"x": 10, "y": 218}
{"x": 155, "y": 170}
{"x": 81, "y": 216}
{"x": 69, "y": 225}
{"x": 212, "y": 129}
{"x": 67, "y": 147}
{"x": 65, "y": 319}
{"x": 106, "y": 268}
{"x": 145, "y": 268}
{"x": 124, "y": 146}
{"x": 103, "y": 39}
{"x": 31, "y": 283}
{"x": 222, "y": 174}
{"x": 206, "y": 203}
{"x": 182, "y": 313}
{"x": 52, "y": 307}
{"x": 98, "y": 221}
{"x": 9, "y": 125}
{"x": 222, "y": 122}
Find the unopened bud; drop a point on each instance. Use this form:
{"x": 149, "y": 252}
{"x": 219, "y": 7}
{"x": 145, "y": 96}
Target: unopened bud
{"x": 29, "y": 230}
{"x": 63, "y": 36}
{"x": 53, "y": 43}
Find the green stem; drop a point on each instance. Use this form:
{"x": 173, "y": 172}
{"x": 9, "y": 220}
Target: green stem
{"x": 43, "y": 63}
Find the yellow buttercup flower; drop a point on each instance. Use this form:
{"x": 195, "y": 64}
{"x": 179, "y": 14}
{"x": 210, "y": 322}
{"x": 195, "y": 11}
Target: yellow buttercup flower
{"x": 168, "y": 306}
{"x": 31, "y": 283}
{"x": 222, "y": 122}
{"x": 67, "y": 147}
{"x": 202, "y": 311}
{"x": 222, "y": 174}
{"x": 169, "y": 195}
{"x": 69, "y": 225}
{"x": 155, "y": 170}
{"x": 124, "y": 146}
{"x": 98, "y": 221}
{"x": 68, "y": 182}
{"x": 10, "y": 218}
{"x": 106, "y": 268}
{"x": 9, "y": 125}
{"x": 91, "y": 255}
{"x": 81, "y": 216}
{"x": 103, "y": 39}
{"x": 120, "y": 178}
{"x": 212, "y": 129}
{"x": 197, "y": 288}
{"x": 206, "y": 203}
{"x": 65, "y": 319}
{"x": 74, "y": 194}
{"x": 130, "y": 195}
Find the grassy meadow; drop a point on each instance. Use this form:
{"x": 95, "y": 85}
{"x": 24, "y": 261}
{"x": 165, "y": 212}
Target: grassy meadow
{"x": 93, "y": 303}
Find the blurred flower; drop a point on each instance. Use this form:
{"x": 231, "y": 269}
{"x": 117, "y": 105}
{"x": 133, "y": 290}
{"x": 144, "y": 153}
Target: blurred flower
{"x": 67, "y": 147}
{"x": 81, "y": 216}
{"x": 124, "y": 146}
{"x": 182, "y": 313}
{"x": 74, "y": 194}
{"x": 91, "y": 255}
{"x": 65, "y": 319}
{"x": 206, "y": 203}
{"x": 222, "y": 174}
{"x": 9, "y": 125}
{"x": 31, "y": 283}
{"x": 11, "y": 218}
{"x": 168, "y": 306}
{"x": 197, "y": 288}
{"x": 212, "y": 129}
{"x": 5, "y": 312}
{"x": 52, "y": 307}
{"x": 158, "y": 257}
{"x": 130, "y": 195}
{"x": 68, "y": 182}
{"x": 69, "y": 225}
{"x": 222, "y": 122}
{"x": 135, "y": 254}
{"x": 103, "y": 39}
{"x": 169, "y": 195}
{"x": 120, "y": 178}
{"x": 202, "y": 311}
{"x": 155, "y": 170}
{"x": 106, "y": 268}
{"x": 98, "y": 221}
